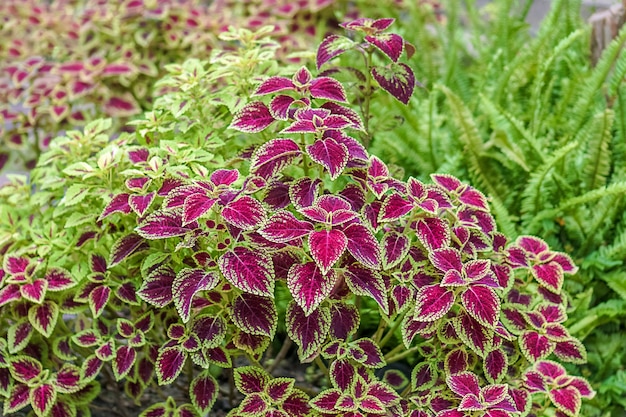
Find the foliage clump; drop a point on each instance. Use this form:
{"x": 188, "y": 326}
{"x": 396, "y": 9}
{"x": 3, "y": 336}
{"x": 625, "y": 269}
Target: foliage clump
{"x": 223, "y": 229}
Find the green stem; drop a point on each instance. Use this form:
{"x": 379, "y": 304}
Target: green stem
{"x": 379, "y": 331}
{"x": 394, "y": 351}
{"x": 391, "y": 331}
{"x": 401, "y": 355}
{"x": 254, "y": 361}
{"x": 320, "y": 364}
{"x": 305, "y": 159}
{"x": 367, "y": 97}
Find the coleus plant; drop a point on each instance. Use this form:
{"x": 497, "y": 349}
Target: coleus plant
{"x": 70, "y": 62}
{"x": 187, "y": 267}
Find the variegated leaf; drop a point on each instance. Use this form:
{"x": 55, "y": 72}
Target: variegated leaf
{"x": 188, "y": 282}
{"x": 309, "y": 332}
{"x": 248, "y": 270}
{"x": 308, "y": 286}
{"x": 255, "y": 315}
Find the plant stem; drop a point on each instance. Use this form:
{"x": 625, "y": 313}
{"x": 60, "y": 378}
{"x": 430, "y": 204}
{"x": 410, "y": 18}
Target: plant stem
{"x": 281, "y": 354}
{"x": 367, "y": 97}
{"x": 321, "y": 365}
{"x": 305, "y": 159}
{"x": 189, "y": 370}
{"x": 402, "y": 355}
{"x": 393, "y": 352}
{"x": 391, "y": 331}
{"x": 379, "y": 331}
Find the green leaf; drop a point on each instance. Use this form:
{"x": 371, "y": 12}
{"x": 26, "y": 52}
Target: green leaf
{"x": 74, "y": 195}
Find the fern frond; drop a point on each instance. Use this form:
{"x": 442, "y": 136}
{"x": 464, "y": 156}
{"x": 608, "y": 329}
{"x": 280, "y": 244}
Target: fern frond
{"x": 538, "y": 90}
{"x": 596, "y": 80}
{"x": 617, "y": 188}
{"x": 532, "y": 195}
{"x": 504, "y": 220}
{"x": 505, "y": 121}
{"x": 470, "y": 138}
{"x": 619, "y": 141}
{"x": 596, "y": 157}
{"x": 616, "y": 281}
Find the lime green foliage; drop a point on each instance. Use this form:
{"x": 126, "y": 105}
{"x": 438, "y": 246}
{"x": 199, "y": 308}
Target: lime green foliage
{"x": 529, "y": 120}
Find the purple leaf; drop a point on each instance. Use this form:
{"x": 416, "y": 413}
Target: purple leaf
{"x": 169, "y": 364}
{"x": 280, "y": 105}
{"x": 126, "y": 246}
{"x": 535, "y": 346}
{"x": 366, "y": 282}
{"x": 389, "y": 44}
{"x": 274, "y": 85}
{"x": 331, "y": 155}
{"x": 283, "y": 227}
{"x": 348, "y": 113}
{"x": 119, "y": 204}
{"x": 273, "y": 156}
{"x": 140, "y": 203}
{"x": 566, "y": 399}
{"x": 433, "y": 302}
{"x": 395, "y": 247}
{"x": 253, "y": 405}
{"x": 308, "y": 286}
{"x": 10, "y": 293}
{"x": 532, "y": 244}
{"x": 195, "y": 206}
{"x": 326, "y": 247}
{"x": 68, "y": 379}
{"x": 373, "y": 356}
{"x": 44, "y": 317}
{"x": 483, "y": 304}
{"x": 446, "y": 259}
{"x": 464, "y": 383}
{"x": 123, "y": 362}
{"x": 255, "y": 315}
{"x": 25, "y": 369}
{"x": 304, "y": 191}
{"x": 59, "y": 279}
{"x": 252, "y": 118}
{"x": 35, "y": 291}
{"x": 210, "y": 330}
{"x": 394, "y": 207}
{"x": 457, "y": 361}
{"x": 495, "y": 365}
{"x": 250, "y": 271}
{"x": 42, "y": 398}
{"x": 245, "y": 213}
{"x": 549, "y": 275}
{"x": 161, "y": 225}
{"x": 309, "y": 332}
{"x": 397, "y": 79}
{"x": 203, "y": 392}
{"x": 433, "y": 232}
{"x": 98, "y": 299}
{"x": 332, "y": 46}
{"x": 362, "y": 244}
{"x": 326, "y": 401}
{"x": 473, "y": 334}
{"x": 224, "y": 177}
{"x": 187, "y": 284}
{"x": 327, "y": 88}
{"x": 342, "y": 373}
{"x": 474, "y": 198}
{"x": 279, "y": 389}
{"x": 122, "y": 106}
{"x": 156, "y": 289}
{"x": 345, "y": 319}
{"x": 251, "y": 380}
{"x": 571, "y": 351}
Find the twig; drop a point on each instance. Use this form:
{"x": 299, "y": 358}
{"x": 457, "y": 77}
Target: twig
{"x": 281, "y": 354}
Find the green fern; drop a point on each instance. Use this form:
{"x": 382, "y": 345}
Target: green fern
{"x": 533, "y": 195}
{"x": 596, "y": 157}
{"x": 473, "y": 144}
